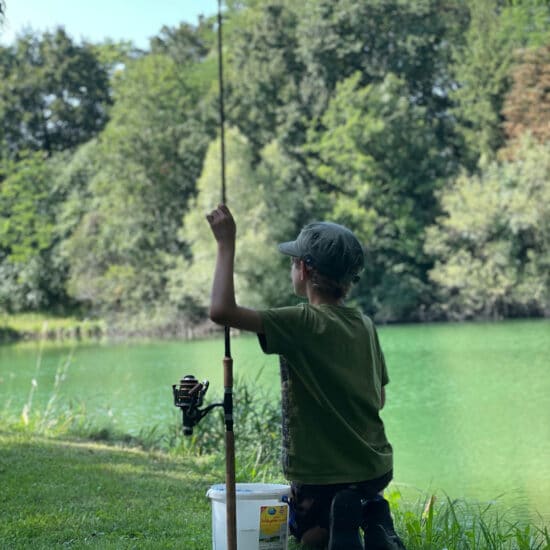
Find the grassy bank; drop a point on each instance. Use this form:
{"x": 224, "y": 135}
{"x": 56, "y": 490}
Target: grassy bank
{"x": 34, "y": 326}
{"x": 80, "y": 494}
{"x": 72, "y": 494}
{"x": 147, "y": 324}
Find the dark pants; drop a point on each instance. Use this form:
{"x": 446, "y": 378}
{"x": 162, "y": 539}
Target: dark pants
{"x": 310, "y": 504}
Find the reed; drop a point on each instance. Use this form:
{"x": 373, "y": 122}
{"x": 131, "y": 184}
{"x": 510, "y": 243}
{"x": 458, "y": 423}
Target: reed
{"x": 454, "y": 524}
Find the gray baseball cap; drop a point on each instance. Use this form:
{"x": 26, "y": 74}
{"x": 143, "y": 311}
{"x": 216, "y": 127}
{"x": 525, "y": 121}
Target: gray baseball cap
{"x": 330, "y": 248}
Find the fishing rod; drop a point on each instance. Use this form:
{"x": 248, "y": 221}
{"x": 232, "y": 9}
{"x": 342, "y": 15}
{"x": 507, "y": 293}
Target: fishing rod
{"x": 230, "y": 486}
{"x": 189, "y": 393}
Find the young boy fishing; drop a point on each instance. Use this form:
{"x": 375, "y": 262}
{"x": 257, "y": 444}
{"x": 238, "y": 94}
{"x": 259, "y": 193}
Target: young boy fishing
{"x": 335, "y": 451}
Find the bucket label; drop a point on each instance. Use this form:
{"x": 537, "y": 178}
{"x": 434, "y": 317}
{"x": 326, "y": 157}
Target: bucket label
{"x": 273, "y": 527}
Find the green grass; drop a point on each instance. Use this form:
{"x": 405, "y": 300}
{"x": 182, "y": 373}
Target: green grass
{"x": 62, "y": 493}
{"x": 82, "y": 494}
{"x": 458, "y": 525}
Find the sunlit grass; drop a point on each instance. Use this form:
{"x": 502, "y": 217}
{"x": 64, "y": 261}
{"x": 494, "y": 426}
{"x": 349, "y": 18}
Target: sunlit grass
{"x": 76, "y": 494}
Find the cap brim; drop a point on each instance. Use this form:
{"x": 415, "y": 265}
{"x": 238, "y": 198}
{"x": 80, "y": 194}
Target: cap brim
{"x": 289, "y": 248}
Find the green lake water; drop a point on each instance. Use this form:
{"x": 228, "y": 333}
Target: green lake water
{"x": 468, "y": 405}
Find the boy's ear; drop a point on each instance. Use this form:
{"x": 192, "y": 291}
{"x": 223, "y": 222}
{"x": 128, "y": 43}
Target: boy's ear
{"x": 303, "y": 270}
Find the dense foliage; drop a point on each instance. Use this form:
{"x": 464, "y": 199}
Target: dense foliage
{"x": 422, "y": 125}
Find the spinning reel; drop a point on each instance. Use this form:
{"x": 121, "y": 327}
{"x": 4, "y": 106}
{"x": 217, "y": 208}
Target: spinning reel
{"x": 189, "y": 396}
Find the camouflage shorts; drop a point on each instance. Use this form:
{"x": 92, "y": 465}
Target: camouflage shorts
{"x": 310, "y": 504}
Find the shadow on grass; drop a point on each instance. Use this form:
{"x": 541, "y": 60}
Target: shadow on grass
{"x": 81, "y": 494}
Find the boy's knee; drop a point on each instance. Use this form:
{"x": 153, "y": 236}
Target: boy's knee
{"x": 315, "y": 537}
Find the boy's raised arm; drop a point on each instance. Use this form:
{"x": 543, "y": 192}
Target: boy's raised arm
{"x": 223, "y": 307}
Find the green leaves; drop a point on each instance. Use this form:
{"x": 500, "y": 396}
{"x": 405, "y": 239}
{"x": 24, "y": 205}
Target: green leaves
{"x": 31, "y": 275}
{"x": 482, "y": 70}
{"x": 26, "y": 210}
{"x": 259, "y": 270}
{"x": 376, "y": 149}
{"x": 148, "y": 160}
{"x": 491, "y": 245}
{"x": 54, "y": 94}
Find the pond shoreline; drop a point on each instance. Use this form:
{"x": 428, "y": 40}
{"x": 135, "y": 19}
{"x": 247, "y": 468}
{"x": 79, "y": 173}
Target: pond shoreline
{"x": 13, "y": 330}
{"x": 18, "y": 328}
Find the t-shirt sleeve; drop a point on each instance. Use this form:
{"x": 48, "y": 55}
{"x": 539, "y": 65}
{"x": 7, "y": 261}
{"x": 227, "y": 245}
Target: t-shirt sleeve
{"x": 380, "y": 357}
{"x": 281, "y": 327}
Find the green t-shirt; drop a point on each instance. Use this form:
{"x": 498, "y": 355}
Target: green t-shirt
{"x": 332, "y": 371}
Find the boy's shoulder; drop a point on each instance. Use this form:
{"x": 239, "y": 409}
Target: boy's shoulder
{"x": 306, "y": 313}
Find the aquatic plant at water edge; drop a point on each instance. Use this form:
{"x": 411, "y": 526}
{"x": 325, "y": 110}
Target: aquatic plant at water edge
{"x": 455, "y": 524}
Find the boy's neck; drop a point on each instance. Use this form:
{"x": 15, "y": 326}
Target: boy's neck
{"x": 316, "y": 299}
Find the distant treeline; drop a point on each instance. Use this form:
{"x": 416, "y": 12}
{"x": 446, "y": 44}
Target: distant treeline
{"x": 423, "y": 125}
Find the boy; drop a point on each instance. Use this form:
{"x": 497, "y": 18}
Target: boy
{"x": 335, "y": 451}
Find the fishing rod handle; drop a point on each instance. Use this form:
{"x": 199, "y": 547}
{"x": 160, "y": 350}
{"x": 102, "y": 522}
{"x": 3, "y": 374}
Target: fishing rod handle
{"x": 230, "y": 491}
{"x": 228, "y": 372}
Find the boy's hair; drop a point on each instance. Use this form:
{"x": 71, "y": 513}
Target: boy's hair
{"x": 325, "y": 285}
{"x": 330, "y": 249}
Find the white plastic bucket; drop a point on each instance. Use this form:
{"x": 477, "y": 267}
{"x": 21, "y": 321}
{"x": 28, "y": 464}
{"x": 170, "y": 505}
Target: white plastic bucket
{"x": 252, "y": 500}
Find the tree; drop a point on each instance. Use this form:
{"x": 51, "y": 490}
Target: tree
{"x": 287, "y": 58}
{"x": 260, "y": 276}
{"x": 267, "y": 209}
{"x": 263, "y": 73}
{"x": 297, "y": 78}
{"x": 482, "y": 70}
{"x": 149, "y": 157}
{"x": 527, "y": 105}
{"x": 32, "y": 277}
{"x": 54, "y": 95}
{"x": 379, "y": 156}
{"x": 492, "y": 245}
{"x": 186, "y": 44}
{"x": 408, "y": 39}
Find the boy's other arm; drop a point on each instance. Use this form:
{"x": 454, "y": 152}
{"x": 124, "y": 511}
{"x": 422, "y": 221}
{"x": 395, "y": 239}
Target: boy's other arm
{"x": 223, "y": 307}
